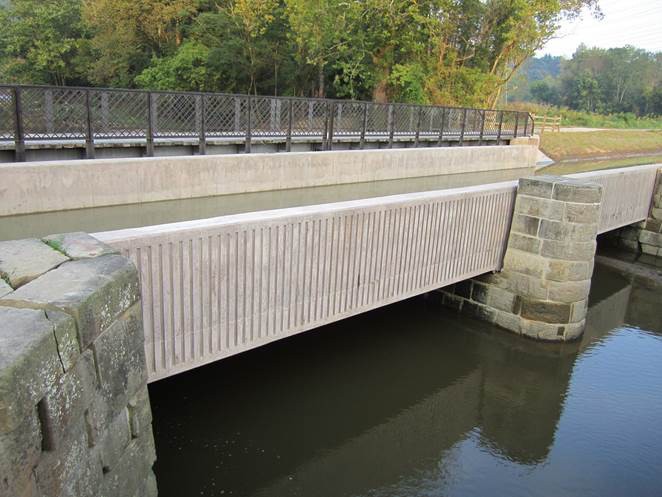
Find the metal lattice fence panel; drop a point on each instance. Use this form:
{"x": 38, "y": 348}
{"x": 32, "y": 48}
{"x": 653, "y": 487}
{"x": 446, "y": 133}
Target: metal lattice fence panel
{"x": 508, "y": 126}
{"x": 404, "y": 119}
{"x": 175, "y": 115}
{"x": 119, "y": 114}
{"x": 7, "y": 114}
{"x": 309, "y": 117}
{"x": 54, "y": 113}
{"x": 225, "y": 115}
{"x": 266, "y": 116}
{"x": 430, "y": 121}
{"x": 348, "y": 118}
{"x": 491, "y": 125}
{"x": 377, "y": 122}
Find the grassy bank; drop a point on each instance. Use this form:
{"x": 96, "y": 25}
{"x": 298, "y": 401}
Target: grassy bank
{"x": 594, "y": 165}
{"x": 590, "y": 120}
{"x": 599, "y": 144}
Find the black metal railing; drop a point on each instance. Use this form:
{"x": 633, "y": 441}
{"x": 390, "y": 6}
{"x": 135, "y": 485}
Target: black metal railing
{"x": 36, "y": 113}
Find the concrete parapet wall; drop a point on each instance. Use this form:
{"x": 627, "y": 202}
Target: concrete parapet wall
{"x": 75, "y": 418}
{"x": 543, "y": 289}
{"x": 59, "y": 185}
{"x": 646, "y": 236}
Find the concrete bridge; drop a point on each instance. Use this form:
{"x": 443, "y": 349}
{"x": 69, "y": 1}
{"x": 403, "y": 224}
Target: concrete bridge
{"x": 94, "y": 328}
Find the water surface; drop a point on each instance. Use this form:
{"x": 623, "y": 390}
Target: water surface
{"x": 413, "y": 400}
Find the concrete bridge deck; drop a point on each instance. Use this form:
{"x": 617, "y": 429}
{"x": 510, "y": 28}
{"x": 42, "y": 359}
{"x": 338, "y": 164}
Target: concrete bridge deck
{"x": 215, "y": 287}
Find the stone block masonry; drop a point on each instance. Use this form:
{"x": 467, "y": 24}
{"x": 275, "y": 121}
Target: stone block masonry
{"x": 75, "y": 419}
{"x": 644, "y": 237}
{"x": 542, "y": 291}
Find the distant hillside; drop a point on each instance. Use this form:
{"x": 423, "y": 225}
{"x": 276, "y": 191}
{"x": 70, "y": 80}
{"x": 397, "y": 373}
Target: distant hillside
{"x": 534, "y": 69}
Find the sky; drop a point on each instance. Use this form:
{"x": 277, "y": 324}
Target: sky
{"x": 625, "y": 22}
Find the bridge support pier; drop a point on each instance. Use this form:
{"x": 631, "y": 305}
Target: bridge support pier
{"x": 542, "y": 291}
{"x": 75, "y": 418}
{"x": 645, "y": 237}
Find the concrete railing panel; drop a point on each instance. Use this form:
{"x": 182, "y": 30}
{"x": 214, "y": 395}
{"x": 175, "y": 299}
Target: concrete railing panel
{"x": 213, "y": 288}
{"x": 626, "y": 194}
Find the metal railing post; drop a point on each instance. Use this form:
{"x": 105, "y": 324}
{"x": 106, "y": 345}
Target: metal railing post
{"x": 441, "y": 128}
{"x": 464, "y": 125}
{"x": 390, "y": 125}
{"x": 332, "y": 111}
{"x": 500, "y": 126}
{"x": 150, "y": 125}
{"x": 526, "y": 124}
{"x": 89, "y": 132}
{"x": 19, "y": 138}
{"x": 533, "y": 124}
{"x": 418, "y": 126}
{"x": 288, "y": 139}
{"x": 364, "y": 125}
{"x": 202, "y": 132}
{"x": 249, "y": 131}
{"x": 482, "y": 127}
{"x": 516, "y": 124}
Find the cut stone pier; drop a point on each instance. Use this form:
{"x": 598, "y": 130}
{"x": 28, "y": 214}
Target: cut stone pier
{"x": 543, "y": 288}
{"x": 75, "y": 418}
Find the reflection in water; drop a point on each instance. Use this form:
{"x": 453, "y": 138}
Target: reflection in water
{"x": 410, "y": 400}
{"x": 98, "y": 219}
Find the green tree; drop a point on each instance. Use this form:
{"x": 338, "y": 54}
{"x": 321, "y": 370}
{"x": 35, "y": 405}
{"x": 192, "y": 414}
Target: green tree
{"x": 43, "y": 41}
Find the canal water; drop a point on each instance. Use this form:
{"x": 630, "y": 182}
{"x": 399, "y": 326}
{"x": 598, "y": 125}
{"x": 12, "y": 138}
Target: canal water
{"x": 97, "y": 219}
{"x": 414, "y": 400}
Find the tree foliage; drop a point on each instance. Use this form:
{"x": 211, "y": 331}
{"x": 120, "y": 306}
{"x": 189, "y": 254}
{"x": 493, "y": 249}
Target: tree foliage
{"x": 436, "y": 51}
{"x": 615, "y": 80}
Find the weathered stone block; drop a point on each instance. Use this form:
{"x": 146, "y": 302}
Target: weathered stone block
{"x": 577, "y": 191}
{"x": 569, "y": 291}
{"x": 503, "y": 300}
{"x": 524, "y": 263}
{"x": 79, "y": 245}
{"x": 70, "y": 471}
{"x": 570, "y": 251}
{"x": 66, "y": 337}
{"x": 545, "y": 311}
{"x": 130, "y": 474}
{"x": 540, "y": 207}
{"x": 479, "y": 311}
{"x": 114, "y": 442}
{"x": 479, "y": 292}
{"x": 654, "y": 225}
{"x": 656, "y": 213}
{"x": 67, "y": 400}
{"x": 120, "y": 356}
{"x": 539, "y": 186}
{"x": 560, "y": 270}
{"x": 22, "y": 261}
{"x": 94, "y": 291}
{"x": 525, "y": 225}
{"x": 649, "y": 249}
{"x": 651, "y": 238}
{"x": 582, "y": 213}
{"x": 29, "y": 363}
{"x": 566, "y": 231}
{"x": 542, "y": 330}
{"x": 140, "y": 413}
{"x": 508, "y": 321}
{"x": 524, "y": 243}
{"x": 579, "y": 310}
{"x": 19, "y": 452}
{"x": 463, "y": 289}
{"x": 522, "y": 284}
